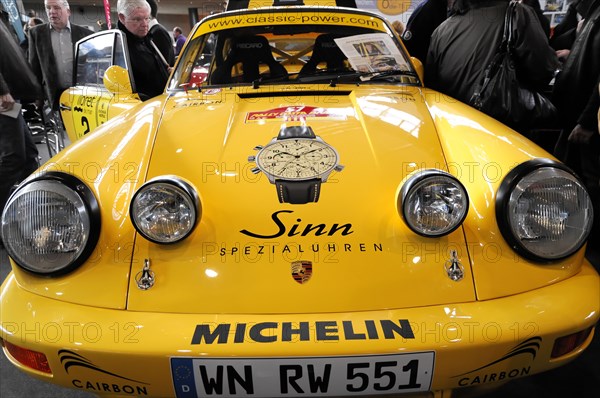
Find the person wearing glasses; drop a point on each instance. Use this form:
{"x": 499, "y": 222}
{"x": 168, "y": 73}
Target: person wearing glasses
{"x": 150, "y": 69}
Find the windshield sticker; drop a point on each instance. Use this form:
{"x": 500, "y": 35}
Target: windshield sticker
{"x": 296, "y": 18}
{"x": 373, "y": 52}
{"x": 298, "y": 113}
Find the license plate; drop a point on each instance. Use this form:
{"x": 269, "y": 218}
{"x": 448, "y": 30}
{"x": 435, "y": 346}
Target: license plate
{"x": 303, "y": 376}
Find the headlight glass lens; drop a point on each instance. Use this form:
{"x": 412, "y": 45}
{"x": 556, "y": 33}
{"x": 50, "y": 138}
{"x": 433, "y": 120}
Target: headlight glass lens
{"x": 164, "y": 211}
{"x": 550, "y": 213}
{"x": 434, "y": 203}
{"x": 46, "y": 227}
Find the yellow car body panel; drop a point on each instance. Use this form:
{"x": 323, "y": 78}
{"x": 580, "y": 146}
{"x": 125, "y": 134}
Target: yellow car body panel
{"x": 472, "y": 341}
{"x": 91, "y": 107}
{"x": 226, "y": 173}
{"x": 103, "y": 86}
{"x": 127, "y": 151}
{"x": 235, "y": 200}
{"x": 476, "y": 143}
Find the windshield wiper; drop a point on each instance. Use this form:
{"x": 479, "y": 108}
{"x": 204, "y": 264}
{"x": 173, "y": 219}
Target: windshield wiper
{"x": 382, "y": 75}
{"x": 263, "y": 80}
{"x": 334, "y": 78}
{"x": 331, "y": 77}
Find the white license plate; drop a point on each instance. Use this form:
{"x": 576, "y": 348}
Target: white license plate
{"x": 302, "y": 376}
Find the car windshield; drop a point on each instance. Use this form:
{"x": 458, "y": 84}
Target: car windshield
{"x": 260, "y": 54}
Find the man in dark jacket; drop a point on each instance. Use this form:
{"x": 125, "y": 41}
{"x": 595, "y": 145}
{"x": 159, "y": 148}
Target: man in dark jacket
{"x": 18, "y": 154}
{"x": 544, "y": 22}
{"x": 462, "y": 47}
{"x": 563, "y": 34}
{"x": 576, "y": 97}
{"x": 51, "y": 48}
{"x": 150, "y": 72}
{"x": 428, "y": 15}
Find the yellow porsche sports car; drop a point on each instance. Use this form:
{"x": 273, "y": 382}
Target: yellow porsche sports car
{"x": 303, "y": 218}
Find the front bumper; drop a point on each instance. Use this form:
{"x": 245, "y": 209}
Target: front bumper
{"x": 119, "y": 352}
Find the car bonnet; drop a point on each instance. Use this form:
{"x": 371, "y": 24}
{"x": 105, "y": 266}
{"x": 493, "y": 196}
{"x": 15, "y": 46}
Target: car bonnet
{"x": 348, "y": 251}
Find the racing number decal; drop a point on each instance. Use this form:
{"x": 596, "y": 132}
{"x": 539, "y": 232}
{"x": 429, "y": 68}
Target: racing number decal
{"x": 86, "y": 124}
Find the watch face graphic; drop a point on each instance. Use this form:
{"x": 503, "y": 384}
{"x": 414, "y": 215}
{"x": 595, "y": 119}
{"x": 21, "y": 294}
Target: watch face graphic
{"x": 296, "y": 162}
{"x": 297, "y": 159}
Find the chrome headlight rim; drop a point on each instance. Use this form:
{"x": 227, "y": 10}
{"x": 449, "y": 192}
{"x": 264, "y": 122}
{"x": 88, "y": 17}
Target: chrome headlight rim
{"x": 418, "y": 177}
{"x": 92, "y": 209}
{"x": 503, "y": 196}
{"x": 178, "y": 182}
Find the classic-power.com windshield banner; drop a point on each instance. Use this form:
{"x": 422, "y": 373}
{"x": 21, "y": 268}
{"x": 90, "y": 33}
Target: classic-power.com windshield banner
{"x": 285, "y": 18}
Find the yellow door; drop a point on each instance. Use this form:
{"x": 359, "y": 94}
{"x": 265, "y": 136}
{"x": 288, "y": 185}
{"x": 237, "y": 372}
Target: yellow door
{"x": 88, "y": 103}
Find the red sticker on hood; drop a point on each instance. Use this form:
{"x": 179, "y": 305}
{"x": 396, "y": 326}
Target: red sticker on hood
{"x": 297, "y": 113}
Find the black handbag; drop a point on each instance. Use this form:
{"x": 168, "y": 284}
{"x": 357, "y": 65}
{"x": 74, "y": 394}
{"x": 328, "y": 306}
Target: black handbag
{"x": 502, "y": 97}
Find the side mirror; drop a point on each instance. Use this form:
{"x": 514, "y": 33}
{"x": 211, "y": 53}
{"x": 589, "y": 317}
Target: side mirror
{"x": 419, "y": 68}
{"x": 116, "y": 80}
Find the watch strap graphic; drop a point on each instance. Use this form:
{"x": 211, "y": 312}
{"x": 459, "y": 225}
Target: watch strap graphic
{"x": 298, "y": 192}
{"x": 296, "y": 132}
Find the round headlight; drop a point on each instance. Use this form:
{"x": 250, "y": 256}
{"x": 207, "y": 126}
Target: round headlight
{"x": 543, "y": 211}
{"x": 433, "y": 203}
{"x": 51, "y": 224}
{"x": 165, "y": 210}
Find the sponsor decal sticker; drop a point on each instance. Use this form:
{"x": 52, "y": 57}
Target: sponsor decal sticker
{"x": 191, "y": 104}
{"x": 484, "y": 375}
{"x": 270, "y": 247}
{"x": 299, "y": 229}
{"x": 303, "y": 331}
{"x": 296, "y": 113}
{"x": 211, "y": 91}
{"x": 120, "y": 385}
{"x": 290, "y": 18}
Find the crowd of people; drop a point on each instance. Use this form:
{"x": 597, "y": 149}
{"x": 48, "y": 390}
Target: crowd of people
{"x": 455, "y": 40}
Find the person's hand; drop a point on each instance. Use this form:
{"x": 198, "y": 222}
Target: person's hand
{"x": 563, "y": 54}
{"x": 6, "y": 102}
{"x": 581, "y": 135}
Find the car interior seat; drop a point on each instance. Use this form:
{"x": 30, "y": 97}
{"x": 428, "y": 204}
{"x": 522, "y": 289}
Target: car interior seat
{"x": 325, "y": 50}
{"x": 250, "y": 52}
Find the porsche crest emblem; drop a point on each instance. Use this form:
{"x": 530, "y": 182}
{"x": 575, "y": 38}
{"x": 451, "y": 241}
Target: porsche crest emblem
{"x": 301, "y": 271}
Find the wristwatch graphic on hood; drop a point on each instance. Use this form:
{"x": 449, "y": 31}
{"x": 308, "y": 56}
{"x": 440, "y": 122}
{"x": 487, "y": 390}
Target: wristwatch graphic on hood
{"x": 297, "y": 162}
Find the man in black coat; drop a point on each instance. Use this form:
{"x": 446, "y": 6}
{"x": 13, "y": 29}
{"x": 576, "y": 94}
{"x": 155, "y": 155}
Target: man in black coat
{"x": 576, "y": 97}
{"x": 150, "y": 72}
{"x": 428, "y": 15}
{"x": 462, "y": 47}
{"x": 51, "y": 50}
